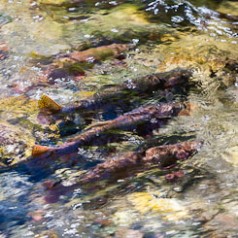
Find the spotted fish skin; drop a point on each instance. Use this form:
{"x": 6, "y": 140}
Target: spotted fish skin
{"x": 124, "y": 165}
{"x": 163, "y": 156}
{"x": 138, "y": 116}
{"x": 163, "y": 80}
{"x": 159, "y": 81}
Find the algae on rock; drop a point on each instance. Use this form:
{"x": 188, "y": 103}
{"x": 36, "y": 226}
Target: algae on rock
{"x": 18, "y": 123}
{"x": 170, "y": 209}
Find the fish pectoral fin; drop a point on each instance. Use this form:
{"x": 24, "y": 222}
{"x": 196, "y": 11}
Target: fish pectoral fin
{"x": 45, "y": 102}
{"x": 38, "y": 150}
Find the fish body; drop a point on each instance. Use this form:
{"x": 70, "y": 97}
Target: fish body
{"x": 124, "y": 165}
{"x": 140, "y": 115}
{"x": 167, "y": 80}
{"x": 98, "y": 53}
{"x": 163, "y": 156}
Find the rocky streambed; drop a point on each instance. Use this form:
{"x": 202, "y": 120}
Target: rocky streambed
{"x": 118, "y": 118}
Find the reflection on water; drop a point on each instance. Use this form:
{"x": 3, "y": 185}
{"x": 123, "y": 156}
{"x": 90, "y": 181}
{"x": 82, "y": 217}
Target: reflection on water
{"x": 37, "y": 39}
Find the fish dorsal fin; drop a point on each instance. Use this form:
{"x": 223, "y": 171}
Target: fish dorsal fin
{"x": 45, "y": 102}
{"x": 38, "y": 150}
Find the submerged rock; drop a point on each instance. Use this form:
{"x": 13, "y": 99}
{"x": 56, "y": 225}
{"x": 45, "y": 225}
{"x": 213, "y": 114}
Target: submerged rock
{"x": 231, "y": 155}
{"x": 4, "y": 19}
{"x": 210, "y": 60}
{"x": 15, "y": 144}
{"x": 223, "y": 225}
{"x": 29, "y": 25}
{"x": 127, "y": 13}
{"x": 3, "y": 51}
{"x": 48, "y": 234}
{"x": 229, "y": 8}
{"x": 128, "y": 233}
{"x": 13, "y": 108}
{"x": 170, "y": 209}
{"x": 15, "y": 189}
{"x": 19, "y": 128}
{"x": 54, "y": 3}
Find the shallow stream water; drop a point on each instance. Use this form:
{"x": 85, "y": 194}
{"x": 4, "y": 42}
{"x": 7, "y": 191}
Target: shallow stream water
{"x": 163, "y": 35}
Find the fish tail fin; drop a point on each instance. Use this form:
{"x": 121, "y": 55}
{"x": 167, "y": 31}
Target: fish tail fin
{"x": 38, "y": 150}
{"x": 45, "y": 102}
